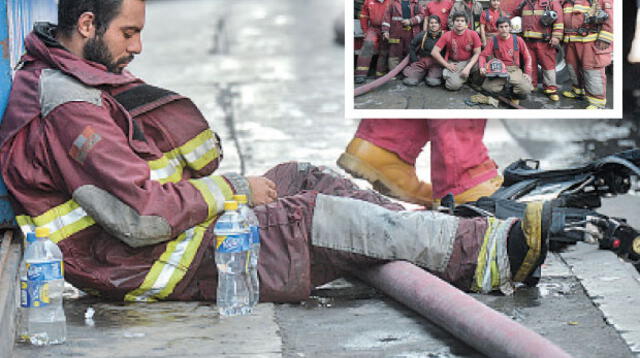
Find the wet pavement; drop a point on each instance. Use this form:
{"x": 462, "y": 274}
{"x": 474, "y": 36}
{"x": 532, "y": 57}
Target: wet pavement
{"x": 270, "y": 80}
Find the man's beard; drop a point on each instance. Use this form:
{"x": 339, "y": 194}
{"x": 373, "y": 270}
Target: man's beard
{"x": 96, "y": 50}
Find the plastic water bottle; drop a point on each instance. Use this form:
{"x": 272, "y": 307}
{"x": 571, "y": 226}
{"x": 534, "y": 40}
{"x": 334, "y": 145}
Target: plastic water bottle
{"x": 254, "y": 251}
{"x": 232, "y": 246}
{"x": 45, "y": 284}
{"x": 23, "y": 312}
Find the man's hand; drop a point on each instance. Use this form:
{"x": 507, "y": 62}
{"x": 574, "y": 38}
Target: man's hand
{"x": 526, "y": 77}
{"x": 263, "y": 190}
{"x": 483, "y": 71}
{"x": 385, "y": 35}
{"x": 465, "y": 72}
{"x": 554, "y": 42}
{"x": 452, "y": 67}
{"x": 601, "y": 45}
{"x": 406, "y": 22}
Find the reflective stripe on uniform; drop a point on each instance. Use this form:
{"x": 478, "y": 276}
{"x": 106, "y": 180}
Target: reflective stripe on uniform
{"x": 201, "y": 150}
{"x": 394, "y": 41}
{"x": 397, "y": 18}
{"x": 596, "y": 101}
{"x": 568, "y": 9}
{"x": 532, "y": 12}
{"x": 578, "y": 38}
{"x": 533, "y": 34}
{"x": 606, "y": 36}
{"x": 215, "y": 190}
{"x": 168, "y": 168}
{"x": 559, "y": 26}
{"x": 581, "y": 8}
{"x": 493, "y": 271}
{"x": 171, "y": 267}
{"x": 362, "y": 68}
{"x": 63, "y": 221}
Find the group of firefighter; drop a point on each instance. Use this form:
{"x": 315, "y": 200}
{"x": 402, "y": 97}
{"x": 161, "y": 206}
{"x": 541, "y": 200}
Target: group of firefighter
{"x": 452, "y": 43}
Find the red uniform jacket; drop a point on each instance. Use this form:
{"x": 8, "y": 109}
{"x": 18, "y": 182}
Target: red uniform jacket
{"x": 372, "y": 14}
{"x": 532, "y": 28}
{"x": 127, "y": 192}
{"x": 575, "y": 13}
{"x": 393, "y": 18}
{"x": 506, "y": 53}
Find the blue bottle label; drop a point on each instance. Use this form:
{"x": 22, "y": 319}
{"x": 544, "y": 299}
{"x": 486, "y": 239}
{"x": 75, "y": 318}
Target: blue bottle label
{"x": 255, "y": 235}
{"x": 45, "y": 271}
{"x": 34, "y": 294}
{"x": 231, "y": 243}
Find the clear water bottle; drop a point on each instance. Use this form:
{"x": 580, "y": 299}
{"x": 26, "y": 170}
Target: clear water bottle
{"x": 232, "y": 246}
{"x": 46, "y": 323}
{"x": 23, "y": 312}
{"x": 254, "y": 251}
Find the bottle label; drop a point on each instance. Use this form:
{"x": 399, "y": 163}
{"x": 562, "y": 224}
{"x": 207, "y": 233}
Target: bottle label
{"x": 255, "y": 235}
{"x": 231, "y": 243}
{"x": 45, "y": 271}
{"x": 34, "y": 293}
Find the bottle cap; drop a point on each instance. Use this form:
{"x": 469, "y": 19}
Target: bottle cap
{"x": 240, "y": 198}
{"x": 230, "y": 205}
{"x": 31, "y": 236}
{"x": 42, "y": 232}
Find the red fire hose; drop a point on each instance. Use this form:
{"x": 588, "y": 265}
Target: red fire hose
{"x": 382, "y": 80}
{"x": 488, "y": 331}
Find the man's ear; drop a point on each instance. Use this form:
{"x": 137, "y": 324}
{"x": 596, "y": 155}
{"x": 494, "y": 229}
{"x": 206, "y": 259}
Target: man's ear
{"x": 86, "y": 25}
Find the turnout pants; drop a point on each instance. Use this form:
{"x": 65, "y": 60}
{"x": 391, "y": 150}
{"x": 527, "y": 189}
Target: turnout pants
{"x": 323, "y": 227}
{"x": 545, "y": 56}
{"x": 426, "y": 68}
{"x": 521, "y": 86}
{"x": 399, "y": 41}
{"x": 373, "y": 42}
{"x": 452, "y": 80}
{"x": 459, "y": 158}
{"x": 587, "y": 70}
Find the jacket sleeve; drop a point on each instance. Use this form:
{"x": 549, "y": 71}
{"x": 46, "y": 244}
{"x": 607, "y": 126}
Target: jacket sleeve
{"x": 558, "y": 25}
{"x": 418, "y": 15}
{"x": 97, "y": 166}
{"x": 386, "y": 20}
{"x": 606, "y": 32}
{"x": 364, "y": 17}
{"x": 415, "y": 42}
{"x": 526, "y": 57}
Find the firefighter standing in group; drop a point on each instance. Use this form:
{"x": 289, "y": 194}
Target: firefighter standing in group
{"x": 488, "y": 21}
{"x": 371, "y": 18}
{"x": 543, "y": 29}
{"x": 471, "y": 9}
{"x": 588, "y": 38}
{"x": 402, "y": 21}
{"x": 440, "y": 8}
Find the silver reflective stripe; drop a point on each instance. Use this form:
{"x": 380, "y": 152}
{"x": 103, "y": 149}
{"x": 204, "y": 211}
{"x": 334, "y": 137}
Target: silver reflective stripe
{"x": 68, "y": 219}
{"x": 502, "y": 257}
{"x": 397, "y": 18}
{"x": 422, "y": 237}
{"x": 200, "y": 150}
{"x": 168, "y": 268}
{"x": 167, "y": 171}
{"x": 386, "y": 24}
{"x": 214, "y": 189}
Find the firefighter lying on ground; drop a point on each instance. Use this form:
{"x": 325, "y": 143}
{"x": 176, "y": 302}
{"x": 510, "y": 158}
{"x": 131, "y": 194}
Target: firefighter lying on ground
{"x": 588, "y": 39}
{"x": 423, "y": 65}
{"x": 124, "y": 176}
{"x": 462, "y": 51}
{"x": 502, "y": 63}
{"x": 371, "y": 18}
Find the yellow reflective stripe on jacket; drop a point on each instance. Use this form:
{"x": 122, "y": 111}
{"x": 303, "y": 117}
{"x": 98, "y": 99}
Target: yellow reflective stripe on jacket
{"x": 63, "y": 221}
{"x": 201, "y": 150}
{"x": 567, "y": 10}
{"x": 578, "y": 38}
{"x": 215, "y": 190}
{"x": 487, "y": 268}
{"x": 559, "y": 26}
{"x": 168, "y": 168}
{"x": 533, "y": 34}
{"x": 606, "y": 36}
{"x": 394, "y": 41}
{"x": 581, "y": 8}
{"x": 532, "y": 12}
{"x": 171, "y": 267}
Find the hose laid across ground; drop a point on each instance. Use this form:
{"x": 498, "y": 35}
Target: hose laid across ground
{"x": 359, "y": 91}
{"x": 486, "y": 330}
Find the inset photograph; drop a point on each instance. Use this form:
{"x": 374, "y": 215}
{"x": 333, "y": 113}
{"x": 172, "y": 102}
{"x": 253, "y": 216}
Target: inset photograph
{"x": 482, "y": 54}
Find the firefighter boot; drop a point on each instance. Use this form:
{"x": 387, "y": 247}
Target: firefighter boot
{"x": 486, "y": 188}
{"x": 388, "y": 174}
{"x": 529, "y": 242}
{"x": 552, "y": 94}
{"x": 573, "y": 93}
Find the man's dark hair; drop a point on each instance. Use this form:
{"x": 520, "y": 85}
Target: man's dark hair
{"x": 433, "y": 17}
{"x": 503, "y": 20}
{"x": 70, "y": 10}
{"x": 458, "y": 14}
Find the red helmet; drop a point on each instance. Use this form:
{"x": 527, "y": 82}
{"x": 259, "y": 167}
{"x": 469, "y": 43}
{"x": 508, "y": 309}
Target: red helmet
{"x": 496, "y": 68}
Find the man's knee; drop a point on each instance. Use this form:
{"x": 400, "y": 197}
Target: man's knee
{"x": 433, "y": 81}
{"x": 454, "y": 83}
